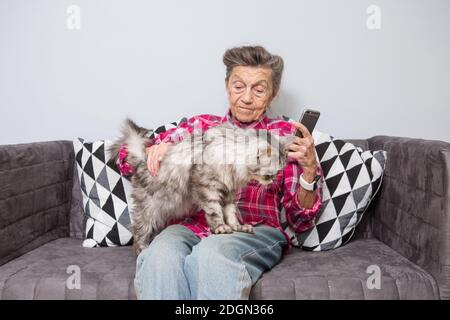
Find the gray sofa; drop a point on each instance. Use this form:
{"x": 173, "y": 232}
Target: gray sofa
{"x": 406, "y": 233}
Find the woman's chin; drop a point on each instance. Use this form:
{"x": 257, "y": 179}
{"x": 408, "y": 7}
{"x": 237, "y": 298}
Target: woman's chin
{"x": 245, "y": 117}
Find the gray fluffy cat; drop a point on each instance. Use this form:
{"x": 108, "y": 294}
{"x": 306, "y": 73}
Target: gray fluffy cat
{"x": 204, "y": 170}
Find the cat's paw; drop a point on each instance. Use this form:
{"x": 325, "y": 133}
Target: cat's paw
{"x": 223, "y": 229}
{"x": 243, "y": 228}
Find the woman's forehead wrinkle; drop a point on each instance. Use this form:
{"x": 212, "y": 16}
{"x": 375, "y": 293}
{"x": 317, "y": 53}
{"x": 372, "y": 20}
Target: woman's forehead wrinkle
{"x": 236, "y": 77}
{"x": 255, "y": 82}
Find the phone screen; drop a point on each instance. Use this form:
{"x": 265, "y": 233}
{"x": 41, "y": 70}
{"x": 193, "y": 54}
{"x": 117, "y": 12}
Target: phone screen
{"x": 309, "y": 119}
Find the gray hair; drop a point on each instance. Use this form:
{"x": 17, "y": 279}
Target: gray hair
{"x": 254, "y": 56}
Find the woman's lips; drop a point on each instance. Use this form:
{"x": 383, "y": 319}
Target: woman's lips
{"x": 247, "y": 110}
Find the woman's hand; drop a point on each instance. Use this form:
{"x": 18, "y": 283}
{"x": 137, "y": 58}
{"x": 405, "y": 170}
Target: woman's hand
{"x": 303, "y": 150}
{"x": 154, "y": 156}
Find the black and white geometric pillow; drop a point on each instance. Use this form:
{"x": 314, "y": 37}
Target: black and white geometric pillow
{"x": 106, "y": 195}
{"x": 163, "y": 128}
{"x": 352, "y": 178}
{"x": 107, "y": 201}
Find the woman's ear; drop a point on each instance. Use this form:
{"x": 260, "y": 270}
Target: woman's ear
{"x": 269, "y": 103}
{"x": 274, "y": 95}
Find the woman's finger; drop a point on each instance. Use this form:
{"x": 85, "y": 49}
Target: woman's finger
{"x": 299, "y": 141}
{"x": 296, "y": 147}
{"x": 301, "y": 127}
{"x": 296, "y": 155}
{"x": 158, "y": 158}
{"x": 149, "y": 151}
{"x": 155, "y": 155}
{"x": 307, "y": 142}
{"x": 152, "y": 160}
{"x": 293, "y": 147}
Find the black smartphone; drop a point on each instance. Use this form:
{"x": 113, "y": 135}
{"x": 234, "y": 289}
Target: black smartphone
{"x": 308, "y": 119}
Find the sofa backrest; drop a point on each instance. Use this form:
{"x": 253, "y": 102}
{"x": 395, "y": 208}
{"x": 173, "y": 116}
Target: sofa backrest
{"x": 36, "y": 179}
{"x": 77, "y": 218}
{"x": 412, "y": 212}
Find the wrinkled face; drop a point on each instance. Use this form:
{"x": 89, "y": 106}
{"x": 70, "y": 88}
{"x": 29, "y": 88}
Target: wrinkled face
{"x": 250, "y": 92}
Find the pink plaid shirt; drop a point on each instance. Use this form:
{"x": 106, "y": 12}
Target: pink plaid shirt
{"x": 257, "y": 204}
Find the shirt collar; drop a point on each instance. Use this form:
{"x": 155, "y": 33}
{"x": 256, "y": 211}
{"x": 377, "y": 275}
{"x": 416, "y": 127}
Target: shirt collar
{"x": 258, "y": 124}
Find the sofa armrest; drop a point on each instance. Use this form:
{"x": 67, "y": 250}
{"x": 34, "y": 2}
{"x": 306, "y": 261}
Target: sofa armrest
{"x": 411, "y": 213}
{"x": 35, "y": 193}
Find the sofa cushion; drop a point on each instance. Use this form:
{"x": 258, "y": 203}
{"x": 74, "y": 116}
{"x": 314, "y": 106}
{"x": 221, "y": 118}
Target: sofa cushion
{"x": 352, "y": 178}
{"x": 106, "y": 195}
{"x": 105, "y": 273}
{"x": 343, "y": 274}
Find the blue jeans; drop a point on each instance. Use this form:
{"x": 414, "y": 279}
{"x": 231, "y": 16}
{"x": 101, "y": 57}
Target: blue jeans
{"x": 180, "y": 265}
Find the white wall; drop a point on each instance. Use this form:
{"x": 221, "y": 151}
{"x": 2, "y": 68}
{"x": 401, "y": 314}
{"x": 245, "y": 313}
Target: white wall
{"x": 157, "y": 61}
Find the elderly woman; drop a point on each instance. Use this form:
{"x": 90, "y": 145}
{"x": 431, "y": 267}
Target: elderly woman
{"x": 186, "y": 261}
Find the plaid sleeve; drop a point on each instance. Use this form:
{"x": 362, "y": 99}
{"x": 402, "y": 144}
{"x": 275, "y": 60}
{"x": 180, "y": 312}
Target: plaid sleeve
{"x": 298, "y": 217}
{"x": 124, "y": 167}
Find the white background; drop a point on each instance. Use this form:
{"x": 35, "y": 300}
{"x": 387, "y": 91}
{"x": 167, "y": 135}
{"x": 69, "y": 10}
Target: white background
{"x": 157, "y": 61}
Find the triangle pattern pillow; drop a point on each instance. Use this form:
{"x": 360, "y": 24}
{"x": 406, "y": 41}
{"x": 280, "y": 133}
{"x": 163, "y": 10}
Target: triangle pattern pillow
{"x": 107, "y": 201}
{"x": 352, "y": 178}
{"x": 106, "y": 195}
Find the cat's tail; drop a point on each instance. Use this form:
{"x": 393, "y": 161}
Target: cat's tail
{"x": 135, "y": 140}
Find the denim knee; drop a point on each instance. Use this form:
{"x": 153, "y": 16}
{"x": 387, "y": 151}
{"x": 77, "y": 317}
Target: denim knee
{"x": 215, "y": 271}
{"x": 226, "y": 266}
{"x": 159, "y": 267}
{"x": 167, "y": 250}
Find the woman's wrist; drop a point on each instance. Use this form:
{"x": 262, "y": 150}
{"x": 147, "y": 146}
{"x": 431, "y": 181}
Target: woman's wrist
{"x": 309, "y": 174}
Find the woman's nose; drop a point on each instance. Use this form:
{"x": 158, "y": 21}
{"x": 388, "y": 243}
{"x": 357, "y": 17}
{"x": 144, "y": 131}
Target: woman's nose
{"x": 247, "y": 97}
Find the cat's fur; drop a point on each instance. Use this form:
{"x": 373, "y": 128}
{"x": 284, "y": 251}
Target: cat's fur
{"x": 199, "y": 170}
